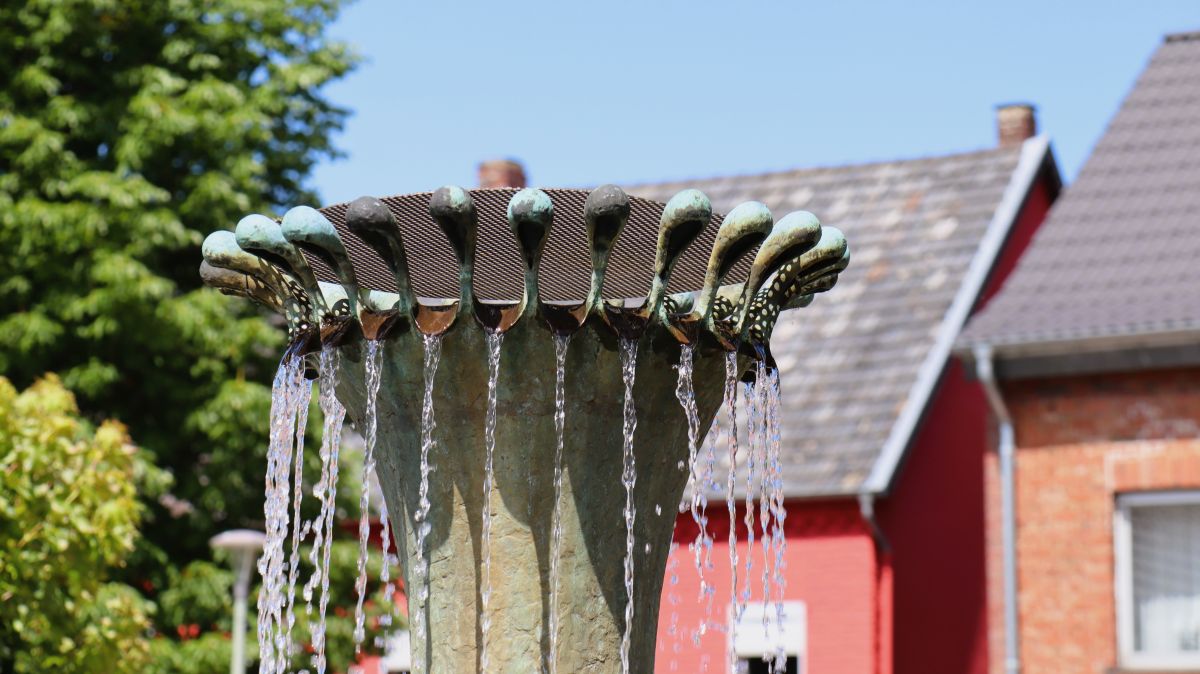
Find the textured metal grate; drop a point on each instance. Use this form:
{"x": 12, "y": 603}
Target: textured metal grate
{"x": 566, "y": 263}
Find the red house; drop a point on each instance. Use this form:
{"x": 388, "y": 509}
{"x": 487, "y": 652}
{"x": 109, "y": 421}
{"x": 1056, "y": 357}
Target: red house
{"x": 884, "y": 435}
{"x": 1092, "y": 354}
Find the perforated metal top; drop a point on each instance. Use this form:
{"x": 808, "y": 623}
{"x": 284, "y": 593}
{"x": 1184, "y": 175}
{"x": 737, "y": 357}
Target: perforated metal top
{"x": 565, "y": 272}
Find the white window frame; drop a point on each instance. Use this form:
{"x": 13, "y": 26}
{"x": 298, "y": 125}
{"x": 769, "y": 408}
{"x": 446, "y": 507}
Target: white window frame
{"x": 1123, "y": 580}
{"x": 749, "y": 641}
{"x": 397, "y": 655}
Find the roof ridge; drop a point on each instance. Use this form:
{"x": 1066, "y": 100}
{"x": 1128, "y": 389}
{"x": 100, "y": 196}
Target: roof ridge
{"x": 828, "y": 167}
{"x": 1182, "y": 36}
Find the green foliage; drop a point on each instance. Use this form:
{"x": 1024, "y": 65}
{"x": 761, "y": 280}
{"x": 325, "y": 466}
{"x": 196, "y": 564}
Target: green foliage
{"x": 208, "y": 653}
{"x": 68, "y": 512}
{"x": 195, "y": 611}
{"x": 128, "y": 131}
{"x": 201, "y": 595}
{"x": 339, "y": 632}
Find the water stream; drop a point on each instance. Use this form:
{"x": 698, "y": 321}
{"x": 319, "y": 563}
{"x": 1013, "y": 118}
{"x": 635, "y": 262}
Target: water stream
{"x": 385, "y": 571}
{"x": 494, "y": 340}
{"x": 703, "y": 545}
{"x": 754, "y": 443}
{"x": 761, "y": 396}
{"x": 561, "y": 342}
{"x": 420, "y": 570}
{"x": 628, "y": 479}
{"x": 673, "y": 600}
{"x": 331, "y": 443}
{"x": 272, "y": 598}
{"x": 731, "y": 380}
{"x": 778, "y": 510}
{"x": 372, "y": 364}
{"x": 299, "y": 531}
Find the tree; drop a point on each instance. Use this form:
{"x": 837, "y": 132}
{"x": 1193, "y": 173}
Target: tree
{"x": 195, "y": 610}
{"x": 68, "y": 514}
{"x": 128, "y": 130}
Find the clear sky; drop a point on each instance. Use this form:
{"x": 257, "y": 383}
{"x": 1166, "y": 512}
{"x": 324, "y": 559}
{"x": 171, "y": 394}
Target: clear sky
{"x": 615, "y": 91}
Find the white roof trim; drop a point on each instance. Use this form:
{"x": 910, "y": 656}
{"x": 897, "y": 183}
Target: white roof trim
{"x": 1033, "y": 155}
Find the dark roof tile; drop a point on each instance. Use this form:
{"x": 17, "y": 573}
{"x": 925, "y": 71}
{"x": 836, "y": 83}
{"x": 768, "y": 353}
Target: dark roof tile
{"x": 1118, "y": 253}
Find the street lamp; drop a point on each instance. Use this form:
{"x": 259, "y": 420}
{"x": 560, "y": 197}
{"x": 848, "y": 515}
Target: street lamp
{"x": 242, "y": 545}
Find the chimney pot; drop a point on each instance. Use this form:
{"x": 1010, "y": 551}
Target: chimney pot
{"x": 1015, "y": 123}
{"x": 501, "y": 173}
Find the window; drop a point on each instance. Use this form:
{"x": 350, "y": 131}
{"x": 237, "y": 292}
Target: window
{"x": 397, "y": 657}
{"x": 757, "y": 642}
{"x": 1157, "y": 563}
{"x": 763, "y": 666}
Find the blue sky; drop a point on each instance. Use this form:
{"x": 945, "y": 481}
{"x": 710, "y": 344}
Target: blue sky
{"x": 628, "y": 92}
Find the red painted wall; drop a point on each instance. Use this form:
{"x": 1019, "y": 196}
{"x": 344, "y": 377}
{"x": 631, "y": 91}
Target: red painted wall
{"x": 934, "y": 524}
{"x": 934, "y": 517}
{"x": 831, "y": 565}
{"x": 1037, "y": 205}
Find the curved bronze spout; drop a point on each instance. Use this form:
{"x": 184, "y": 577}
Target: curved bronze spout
{"x": 370, "y": 220}
{"x": 231, "y": 282}
{"x": 794, "y": 234}
{"x": 809, "y": 273}
{"x": 530, "y": 216}
{"x": 454, "y": 211}
{"x": 683, "y": 218}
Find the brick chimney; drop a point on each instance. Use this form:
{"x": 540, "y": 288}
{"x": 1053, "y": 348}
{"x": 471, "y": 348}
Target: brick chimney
{"x": 1015, "y": 123}
{"x": 501, "y": 173}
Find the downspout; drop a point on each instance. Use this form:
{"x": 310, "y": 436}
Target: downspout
{"x": 1008, "y": 514}
{"x": 866, "y": 507}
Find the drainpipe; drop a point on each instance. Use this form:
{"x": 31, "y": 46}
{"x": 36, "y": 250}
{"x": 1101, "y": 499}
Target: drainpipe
{"x": 866, "y": 506}
{"x": 1008, "y": 514}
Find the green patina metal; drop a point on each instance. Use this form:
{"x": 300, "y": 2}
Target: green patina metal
{"x": 794, "y": 259}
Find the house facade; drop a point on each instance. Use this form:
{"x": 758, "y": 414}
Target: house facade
{"x": 1091, "y": 354}
{"x": 884, "y": 433}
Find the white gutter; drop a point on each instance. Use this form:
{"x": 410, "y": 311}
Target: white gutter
{"x": 1033, "y": 155}
{"x": 1008, "y": 515}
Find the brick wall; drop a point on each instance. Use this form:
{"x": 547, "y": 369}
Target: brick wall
{"x": 1082, "y": 440}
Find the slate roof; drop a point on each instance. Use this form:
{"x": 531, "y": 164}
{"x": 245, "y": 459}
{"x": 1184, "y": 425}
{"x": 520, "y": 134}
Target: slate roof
{"x": 851, "y": 361}
{"x": 1119, "y": 254}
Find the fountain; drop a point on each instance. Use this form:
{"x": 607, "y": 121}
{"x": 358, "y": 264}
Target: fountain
{"x": 532, "y": 427}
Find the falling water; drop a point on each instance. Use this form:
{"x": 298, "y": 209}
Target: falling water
{"x": 673, "y": 599}
{"x": 778, "y": 510}
{"x": 494, "y": 340}
{"x": 385, "y": 570}
{"x": 686, "y": 394}
{"x": 420, "y": 573}
{"x": 326, "y": 493}
{"x": 272, "y": 600}
{"x": 761, "y": 397}
{"x": 701, "y": 476}
{"x": 704, "y": 540}
{"x": 753, "y": 446}
{"x": 372, "y": 364}
{"x": 560, "y": 417}
{"x": 731, "y": 374}
{"x": 299, "y": 532}
{"x": 629, "y": 479}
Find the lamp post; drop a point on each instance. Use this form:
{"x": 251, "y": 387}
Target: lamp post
{"x": 242, "y": 545}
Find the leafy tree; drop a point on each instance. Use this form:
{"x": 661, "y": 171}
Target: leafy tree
{"x": 195, "y": 611}
{"x": 68, "y": 513}
{"x": 128, "y": 130}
